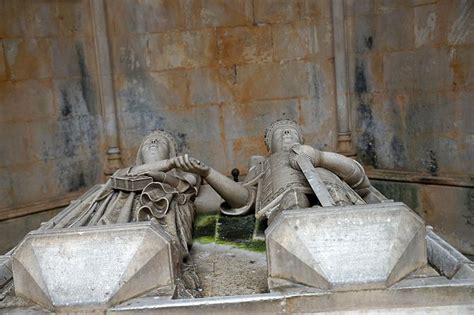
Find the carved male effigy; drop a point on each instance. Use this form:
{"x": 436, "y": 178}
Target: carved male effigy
{"x": 278, "y": 182}
{"x": 151, "y": 189}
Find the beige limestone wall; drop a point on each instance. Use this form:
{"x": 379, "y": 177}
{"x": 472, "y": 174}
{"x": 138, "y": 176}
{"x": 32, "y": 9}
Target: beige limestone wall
{"x": 215, "y": 73}
{"x": 50, "y": 126}
{"x": 412, "y": 90}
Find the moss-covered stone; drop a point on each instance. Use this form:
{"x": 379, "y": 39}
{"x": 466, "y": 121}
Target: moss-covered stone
{"x": 235, "y": 228}
{"x": 205, "y": 226}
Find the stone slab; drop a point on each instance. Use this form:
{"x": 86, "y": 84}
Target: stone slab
{"x": 92, "y": 267}
{"x": 346, "y": 248}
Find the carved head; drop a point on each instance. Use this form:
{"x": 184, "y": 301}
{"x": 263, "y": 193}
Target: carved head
{"x": 157, "y": 146}
{"x": 282, "y": 134}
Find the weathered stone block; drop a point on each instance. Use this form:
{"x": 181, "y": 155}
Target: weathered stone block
{"x": 185, "y": 49}
{"x": 26, "y": 100}
{"x": 205, "y": 87}
{"x": 15, "y": 144}
{"x": 28, "y": 58}
{"x": 169, "y": 89}
{"x": 398, "y": 70}
{"x": 147, "y": 16}
{"x": 430, "y": 70}
{"x": 12, "y": 19}
{"x": 77, "y": 173}
{"x": 396, "y": 30}
{"x": 3, "y": 69}
{"x": 244, "y": 44}
{"x": 73, "y": 56}
{"x": 93, "y": 267}
{"x": 315, "y": 117}
{"x": 368, "y": 73}
{"x": 362, "y": 34}
{"x": 249, "y": 119}
{"x": 28, "y": 182}
{"x": 217, "y": 13}
{"x": 346, "y": 248}
{"x": 275, "y": 11}
{"x": 358, "y": 7}
{"x": 130, "y": 53}
{"x": 76, "y": 97}
{"x": 459, "y": 22}
{"x": 427, "y": 26}
{"x": 295, "y": 40}
{"x": 462, "y": 66}
{"x": 6, "y": 196}
{"x": 41, "y": 18}
{"x": 74, "y": 18}
{"x": 288, "y": 79}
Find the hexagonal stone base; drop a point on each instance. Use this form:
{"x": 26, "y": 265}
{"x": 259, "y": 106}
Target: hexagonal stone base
{"x": 92, "y": 266}
{"x": 346, "y": 248}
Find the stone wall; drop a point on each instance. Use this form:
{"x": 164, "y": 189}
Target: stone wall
{"x": 412, "y": 91}
{"x": 215, "y": 73}
{"x": 49, "y": 118}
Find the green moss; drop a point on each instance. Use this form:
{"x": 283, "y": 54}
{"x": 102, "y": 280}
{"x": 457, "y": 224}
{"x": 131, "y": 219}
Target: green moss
{"x": 205, "y": 225}
{"x": 204, "y": 239}
{"x": 236, "y": 228}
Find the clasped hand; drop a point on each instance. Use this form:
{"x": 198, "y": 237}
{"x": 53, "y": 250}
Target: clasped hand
{"x": 192, "y": 165}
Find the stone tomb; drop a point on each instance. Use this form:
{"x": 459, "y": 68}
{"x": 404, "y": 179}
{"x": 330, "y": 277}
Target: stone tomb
{"x": 92, "y": 267}
{"x": 345, "y": 248}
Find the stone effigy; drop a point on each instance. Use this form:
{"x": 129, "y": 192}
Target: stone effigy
{"x": 278, "y": 183}
{"x": 149, "y": 191}
{"x": 333, "y": 242}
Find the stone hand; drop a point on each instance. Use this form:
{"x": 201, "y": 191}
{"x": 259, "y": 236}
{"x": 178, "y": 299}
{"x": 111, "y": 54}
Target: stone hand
{"x": 192, "y": 165}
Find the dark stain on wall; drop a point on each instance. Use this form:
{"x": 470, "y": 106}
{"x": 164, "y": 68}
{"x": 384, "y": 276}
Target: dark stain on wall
{"x": 360, "y": 79}
{"x": 88, "y": 92}
{"x": 404, "y": 192}
{"x": 432, "y": 163}
{"x": 66, "y": 106}
{"x": 366, "y": 141}
{"x": 369, "y": 42}
{"x": 398, "y": 152}
{"x": 76, "y": 182}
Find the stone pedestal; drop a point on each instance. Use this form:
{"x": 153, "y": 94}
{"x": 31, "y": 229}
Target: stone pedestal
{"x": 346, "y": 248}
{"x": 92, "y": 267}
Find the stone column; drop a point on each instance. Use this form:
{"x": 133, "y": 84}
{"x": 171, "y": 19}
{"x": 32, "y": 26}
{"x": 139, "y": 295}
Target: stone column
{"x": 106, "y": 87}
{"x": 344, "y": 137}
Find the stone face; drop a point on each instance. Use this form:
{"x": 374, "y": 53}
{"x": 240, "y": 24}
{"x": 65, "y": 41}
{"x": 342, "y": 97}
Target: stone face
{"x": 346, "y": 248}
{"x": 92, "y": 267}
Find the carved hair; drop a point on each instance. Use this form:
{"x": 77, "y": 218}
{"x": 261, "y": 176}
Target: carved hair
{"x": 172, "y": 146}
{"x": 278, "y": 124}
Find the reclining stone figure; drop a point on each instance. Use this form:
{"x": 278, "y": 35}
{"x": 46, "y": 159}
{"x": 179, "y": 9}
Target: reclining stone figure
{"x": 277, "y": 182}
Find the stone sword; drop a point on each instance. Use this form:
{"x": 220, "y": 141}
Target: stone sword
{"x": 313, "y": 179}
